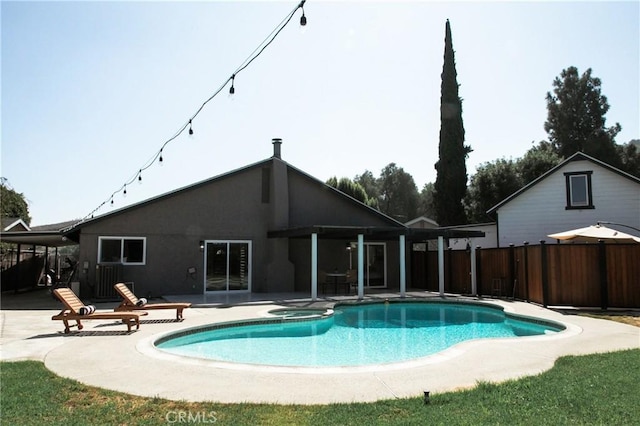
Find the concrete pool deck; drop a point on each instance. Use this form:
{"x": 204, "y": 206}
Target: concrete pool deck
{"x": 103, "y": 354}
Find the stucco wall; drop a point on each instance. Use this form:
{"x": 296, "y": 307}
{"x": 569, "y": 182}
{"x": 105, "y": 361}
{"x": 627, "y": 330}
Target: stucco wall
{"x": 225, "y": 209}
{"x": 237, "y": 206}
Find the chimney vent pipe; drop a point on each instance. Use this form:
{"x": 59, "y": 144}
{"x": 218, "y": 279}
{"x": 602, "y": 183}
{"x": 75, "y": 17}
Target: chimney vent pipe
{"x": 277, "y": 142}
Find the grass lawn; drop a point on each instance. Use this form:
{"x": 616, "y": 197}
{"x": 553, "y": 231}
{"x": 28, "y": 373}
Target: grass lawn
{"x": 600, "y": 389}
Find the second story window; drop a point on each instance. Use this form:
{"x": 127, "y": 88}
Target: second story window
{"x": 579, "y": 194}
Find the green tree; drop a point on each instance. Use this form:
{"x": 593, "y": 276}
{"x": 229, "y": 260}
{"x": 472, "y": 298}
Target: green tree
{"x": 537, "y": 161}
{"x": 629, "y": 155}
{"x": 492, "y": 183}
{"x": 425, "y": 202}
{"x": 371, "y": 186}
{"x": 576, "y": 117}
{"x": 14, "y": 205}
{"x": 349, "y": 187}
{"x": 398, "y": 193}
{"x": 451, "y": 180}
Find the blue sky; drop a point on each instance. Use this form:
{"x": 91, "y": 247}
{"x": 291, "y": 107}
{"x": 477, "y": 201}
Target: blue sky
{"x": 92, "y": 90}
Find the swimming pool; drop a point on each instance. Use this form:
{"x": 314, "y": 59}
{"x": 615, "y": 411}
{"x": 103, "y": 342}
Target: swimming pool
{"x": 352, "y": 335}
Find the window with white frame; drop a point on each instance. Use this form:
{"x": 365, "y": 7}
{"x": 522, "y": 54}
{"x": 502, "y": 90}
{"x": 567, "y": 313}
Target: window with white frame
{"x": 124, "y": 250}
{"x": 579, "y": 195}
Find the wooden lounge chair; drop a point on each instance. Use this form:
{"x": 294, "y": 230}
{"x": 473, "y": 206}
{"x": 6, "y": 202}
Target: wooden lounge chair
{"x": 130, "y": 302}
{"x": 71, "y": 312}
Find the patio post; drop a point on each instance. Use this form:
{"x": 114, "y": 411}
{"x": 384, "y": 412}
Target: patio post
{"x": 314, "y": 266}
{"x": 403, "y": 270}
{"x": 441, "y": 265}
{"x": 360, "y": 266}
{"x": 474, "y": 284}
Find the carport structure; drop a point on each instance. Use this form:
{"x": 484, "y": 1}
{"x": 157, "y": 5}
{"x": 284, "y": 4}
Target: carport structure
{"x": 48, "y": 236}
{"x": 403, "y": 235}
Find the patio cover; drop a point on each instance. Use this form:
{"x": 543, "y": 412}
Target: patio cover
{"x": 37, "y": 238}
{"x": 594, "y": 233}
{"x": 403, "y": 234}
{"x": 375, "y": 232}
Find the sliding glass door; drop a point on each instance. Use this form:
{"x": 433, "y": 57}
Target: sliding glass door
{"x": 375, "y": 263}
{"x": 227, "y": 265}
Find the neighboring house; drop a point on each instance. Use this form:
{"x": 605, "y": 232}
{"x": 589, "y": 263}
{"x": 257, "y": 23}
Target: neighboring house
{"x": 249, "y": 230}
{"x": 12, "y": 224}
{"x": 490, "y": 230}
{"x": 422, "y": 222}
{"x": 490, "y": 239}
{"x": 576, "y": 193}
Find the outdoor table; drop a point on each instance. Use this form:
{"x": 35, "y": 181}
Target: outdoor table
{"x": 335, "y": 276}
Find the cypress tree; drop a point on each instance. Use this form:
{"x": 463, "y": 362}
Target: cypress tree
{"x": 451, "y": 180}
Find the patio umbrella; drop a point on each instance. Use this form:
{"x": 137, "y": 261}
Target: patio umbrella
{"x": 594, "y": 233}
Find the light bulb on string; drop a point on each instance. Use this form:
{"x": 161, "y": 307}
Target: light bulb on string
{"x": 261, "y": 48}
{"x": 232, "y": 89}
{"x": 303, "y": 19}
{"x": 124, "y": 193}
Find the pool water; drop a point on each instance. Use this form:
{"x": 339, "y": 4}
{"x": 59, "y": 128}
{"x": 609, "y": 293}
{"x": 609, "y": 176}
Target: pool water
{"x": 355, "y": 335}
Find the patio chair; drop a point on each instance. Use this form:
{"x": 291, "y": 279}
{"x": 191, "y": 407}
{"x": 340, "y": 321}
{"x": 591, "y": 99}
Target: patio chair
{"x": 73, "y": 312}
{"x": 352, "y": 280}
{"x": 130, "y": 302}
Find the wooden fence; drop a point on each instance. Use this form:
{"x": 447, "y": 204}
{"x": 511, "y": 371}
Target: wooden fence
{"x": 581, "y": 275}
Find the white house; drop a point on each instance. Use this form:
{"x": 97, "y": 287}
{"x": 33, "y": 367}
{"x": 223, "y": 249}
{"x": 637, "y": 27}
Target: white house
{"x": 578, "y": 192}
{"x": 488, "y": 241}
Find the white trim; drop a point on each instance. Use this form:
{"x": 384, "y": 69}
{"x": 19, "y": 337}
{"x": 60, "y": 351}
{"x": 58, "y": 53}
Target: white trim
{"x": 581, "y": 191}
{"x": 15, "y": 223}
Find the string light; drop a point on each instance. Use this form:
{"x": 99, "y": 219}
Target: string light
{"x": 303, "y": 19}
{"x": 257, "y": 52}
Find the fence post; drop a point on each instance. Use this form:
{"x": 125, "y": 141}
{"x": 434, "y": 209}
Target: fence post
{"x": 602, "y": 266}
{"x": 526, "y": 271}
{"x": 545, "y": 271}
{"x": 478, "y": 272}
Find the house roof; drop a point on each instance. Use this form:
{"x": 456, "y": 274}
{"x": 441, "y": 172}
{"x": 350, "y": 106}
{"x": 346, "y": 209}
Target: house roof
{"x": 43, "y": 235}
{"x": 393, "y": 229}
{"x": 13, "y": 223}
{"x": 72, "y": 232}
{"x": 578, "y": 156}
{"x": 422, "y": 219}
